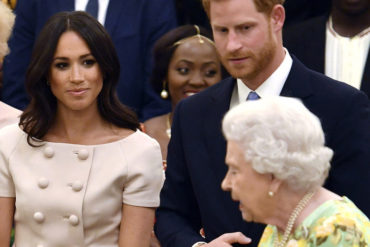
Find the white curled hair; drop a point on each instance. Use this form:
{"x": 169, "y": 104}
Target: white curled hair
{"x": 280, "y": 136}
{"x": 6, "y": 24}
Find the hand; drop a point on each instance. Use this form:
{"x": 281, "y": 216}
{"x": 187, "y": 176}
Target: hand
{"x": 154, "y": 241}
{"x": 227, "y": 239}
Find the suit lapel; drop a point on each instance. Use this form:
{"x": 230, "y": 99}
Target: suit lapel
{"x": 297, "y": 84}
{"x": 218, "y": 105}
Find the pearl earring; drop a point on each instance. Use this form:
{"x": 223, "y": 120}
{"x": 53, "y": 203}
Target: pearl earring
{"x": 164, "y": 93}
{"x": 271, "y": 194}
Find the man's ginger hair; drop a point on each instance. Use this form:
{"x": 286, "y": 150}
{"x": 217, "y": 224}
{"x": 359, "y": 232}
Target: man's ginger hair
{"x": 264, "y": 6}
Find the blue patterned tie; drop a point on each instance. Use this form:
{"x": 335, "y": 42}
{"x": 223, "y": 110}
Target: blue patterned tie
{"x": 92, "y": 8}
{"x": 253, "y": 96}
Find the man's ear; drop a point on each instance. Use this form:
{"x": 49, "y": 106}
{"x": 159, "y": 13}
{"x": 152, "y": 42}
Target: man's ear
{"x": 277, "y": 17}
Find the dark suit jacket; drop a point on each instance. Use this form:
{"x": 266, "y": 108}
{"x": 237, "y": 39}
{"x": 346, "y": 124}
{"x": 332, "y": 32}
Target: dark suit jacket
{"x": 192, "y": 197}
{"x": 307, "y": 41}
{"x": 300, "y": 10}
{"x": 134, "y": 26}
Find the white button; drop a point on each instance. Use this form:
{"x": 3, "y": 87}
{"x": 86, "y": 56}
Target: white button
{"x": 39, "y": 217}
{"x": 43, "y": 183}
{"x": 49, "y": 152}
{"x": 77, "y": 186}
{"x": 83, "y": 154}
{"x": 73, "y": 220}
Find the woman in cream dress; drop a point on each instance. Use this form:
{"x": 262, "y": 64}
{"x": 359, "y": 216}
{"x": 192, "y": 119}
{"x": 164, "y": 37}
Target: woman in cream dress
{"x": 8, "y": 114}
{"x": 77, "y": 171}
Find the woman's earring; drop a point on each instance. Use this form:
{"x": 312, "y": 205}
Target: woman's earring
{"x": 271, "y": 194}
{"x": 164, "y": 93}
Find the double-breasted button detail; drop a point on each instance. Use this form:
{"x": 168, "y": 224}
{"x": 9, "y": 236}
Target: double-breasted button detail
{"x": 43, "y": 183}
{"x": 83, "y": 154}
{"x": 73, "y": 220}
{"x": 39, "y": 217}
{"x": 77, "y": 186}
{"x": 49, "y": 152}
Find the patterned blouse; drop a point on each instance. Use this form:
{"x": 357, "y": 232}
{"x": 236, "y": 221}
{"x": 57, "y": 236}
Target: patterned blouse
{"x": 334, "y": 223}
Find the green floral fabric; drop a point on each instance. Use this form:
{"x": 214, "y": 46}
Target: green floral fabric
{"x": 334, "y": 223}
{"x": 12, "y": 238}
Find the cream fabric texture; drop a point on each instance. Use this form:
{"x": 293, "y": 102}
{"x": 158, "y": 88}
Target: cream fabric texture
{"x": 72, "y": 195}
{"x": 8, "y": 114}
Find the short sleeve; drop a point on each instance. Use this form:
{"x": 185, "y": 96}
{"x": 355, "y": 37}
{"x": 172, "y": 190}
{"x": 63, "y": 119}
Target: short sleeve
{"x": 7, "y": 188}
{"x": 145, "y": 172}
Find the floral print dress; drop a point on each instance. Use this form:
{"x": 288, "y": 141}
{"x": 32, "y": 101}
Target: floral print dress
{"x": 334, "y": 223}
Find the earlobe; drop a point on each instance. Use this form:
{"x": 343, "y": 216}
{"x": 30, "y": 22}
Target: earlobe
{"x": 275, "y": 184}
{"x": 277, "y": 17}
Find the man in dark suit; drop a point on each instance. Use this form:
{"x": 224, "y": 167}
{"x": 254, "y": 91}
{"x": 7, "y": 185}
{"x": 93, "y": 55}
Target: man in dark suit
{"x": 248, "y": 38}
{"x": 134, "y": 26}
{"x": 347, "y": 20}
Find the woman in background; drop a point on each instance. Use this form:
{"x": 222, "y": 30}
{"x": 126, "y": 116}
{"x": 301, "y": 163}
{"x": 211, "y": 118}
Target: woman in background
{"x": 10, "y": 3}
{"x": 185, "y": 63}
{"x": 8, "y": 114}
{"x": 77, "y": 169}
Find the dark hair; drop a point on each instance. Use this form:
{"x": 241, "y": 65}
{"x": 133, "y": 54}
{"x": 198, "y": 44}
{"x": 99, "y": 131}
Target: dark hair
{"x": 38, "y": 117}
{"x": 164, "y": 49}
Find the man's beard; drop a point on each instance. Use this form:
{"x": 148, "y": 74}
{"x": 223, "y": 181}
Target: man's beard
{"x": 258, "y": 61}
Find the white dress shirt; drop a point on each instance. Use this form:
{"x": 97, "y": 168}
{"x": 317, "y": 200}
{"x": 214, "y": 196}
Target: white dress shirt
{"x": 103, "y": 7}
{"x": 345, "y": 57}
{"x": 271, "y": 87}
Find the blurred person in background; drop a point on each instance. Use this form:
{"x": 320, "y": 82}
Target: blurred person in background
{"x": 8, "y": 114}
{"x": 11, "y": 3}
{"x": 336, "y": 44}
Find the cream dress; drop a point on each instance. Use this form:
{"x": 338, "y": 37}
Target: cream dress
{"x": 8, "y": 114}
{"x": 72, "y": 195}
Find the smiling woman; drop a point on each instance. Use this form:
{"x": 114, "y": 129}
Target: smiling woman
{"x": 185, "y": 63}
{"x": 78, "y": 165}
{"x": 75, "y": 77}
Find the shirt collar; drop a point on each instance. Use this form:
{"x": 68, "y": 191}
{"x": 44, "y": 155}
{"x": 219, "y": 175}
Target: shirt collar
{"x": 273, "y": 85}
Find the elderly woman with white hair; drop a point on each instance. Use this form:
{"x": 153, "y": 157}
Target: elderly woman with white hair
{"x": 277, "y": 163}
{"x": 8, "y": 114}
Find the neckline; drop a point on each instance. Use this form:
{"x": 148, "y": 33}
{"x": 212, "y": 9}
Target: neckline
{"x": 44, "y": 143}
{"x": 308, "y": 220}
